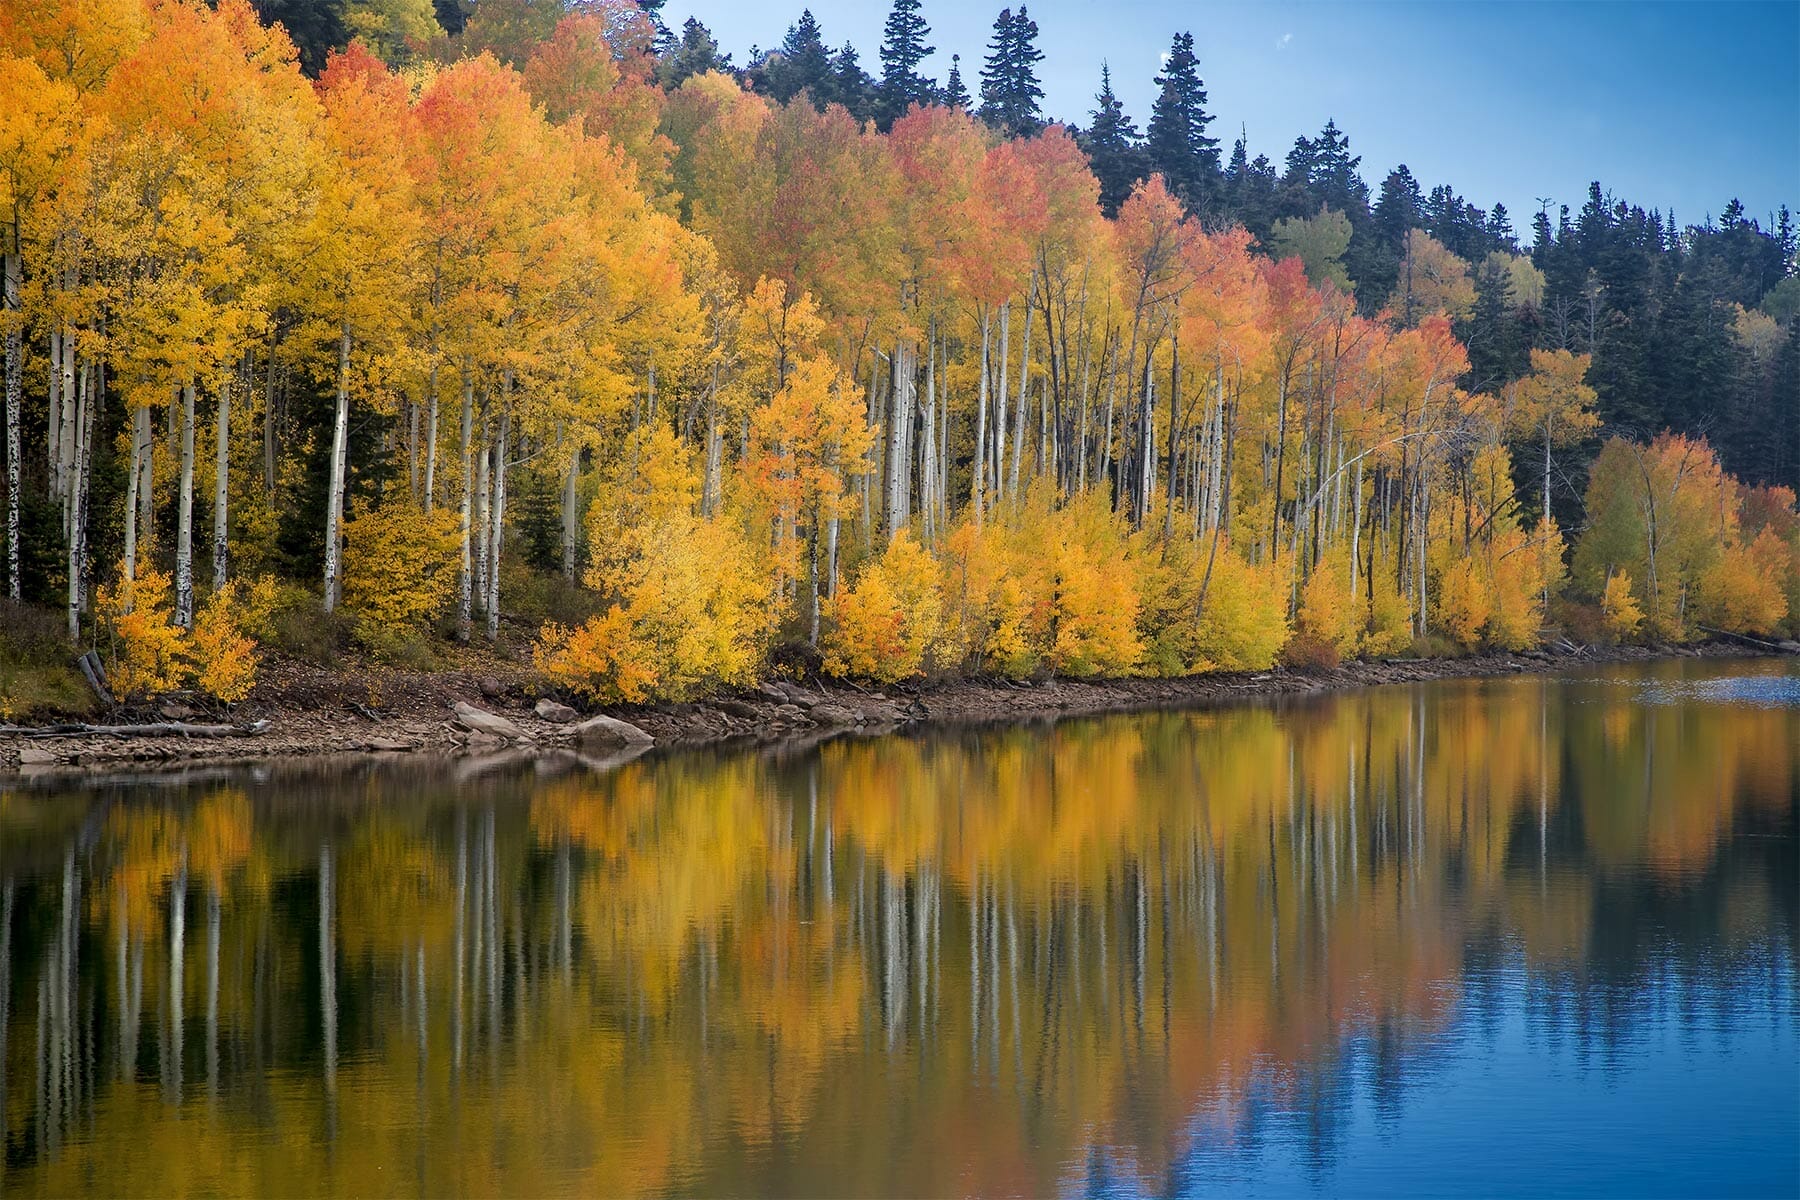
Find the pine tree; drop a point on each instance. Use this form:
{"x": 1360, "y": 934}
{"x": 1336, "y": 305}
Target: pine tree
{"x": 955, "y": 94}
{"x": 1334, "y": 179}
{"x": 801, "y": 64}
{"x": 1113, "y": 147}
{"x": 850, "y": 85}
{"x": 695, "y": 54}
{"x": 316, "y": 27}
{"x": 1011, "y": 96}
{"x": 1176, "y": 141}
{"x": 903, "y": 48}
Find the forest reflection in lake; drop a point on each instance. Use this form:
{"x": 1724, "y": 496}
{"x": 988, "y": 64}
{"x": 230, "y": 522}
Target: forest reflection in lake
{"x": 1498, "y": 936}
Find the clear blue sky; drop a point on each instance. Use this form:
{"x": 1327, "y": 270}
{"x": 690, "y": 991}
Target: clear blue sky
{"x": 1673, "y": 105}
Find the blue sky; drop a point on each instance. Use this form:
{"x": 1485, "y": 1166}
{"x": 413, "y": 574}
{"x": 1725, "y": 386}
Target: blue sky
{"x": 1673, "y": 105}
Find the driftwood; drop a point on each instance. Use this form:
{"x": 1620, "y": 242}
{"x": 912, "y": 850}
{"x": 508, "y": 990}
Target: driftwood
{"x": 1738, "y": 637}
{"x": 154, "y": 729}
{"x": 95, "y": 674}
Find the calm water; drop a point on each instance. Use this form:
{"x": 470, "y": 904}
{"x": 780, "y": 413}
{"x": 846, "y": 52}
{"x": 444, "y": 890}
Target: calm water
{"x": 1517, "y": 936}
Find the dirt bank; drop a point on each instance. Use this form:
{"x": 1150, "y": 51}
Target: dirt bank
{"x": 300, "y": 710}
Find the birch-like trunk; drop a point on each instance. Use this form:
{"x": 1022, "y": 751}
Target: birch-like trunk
{"x": 978, "y": 464}
{"x": 78, "y": 502}
{"x": 334, "y": 497}
{"x": 184, "y": 515}
{"x": 1000, "y": 404}
{"x": 14, "y": 399}
{"x": 136, "y": 480}
{"x": 431, "y": 431}
{"x": 497, "y": 517}
{"x": 570, "y": 480}
{"x": 1022, "y": 408}
{"x": 465, "y": 582}
{"x": 221, "y": 486}
{"x": 53, "y": 424}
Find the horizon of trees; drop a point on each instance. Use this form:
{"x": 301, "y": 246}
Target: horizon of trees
{"x": 551, "y": 295}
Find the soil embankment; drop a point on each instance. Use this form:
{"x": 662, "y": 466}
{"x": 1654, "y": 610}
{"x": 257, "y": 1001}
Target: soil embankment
{"x": 299, "y": 710}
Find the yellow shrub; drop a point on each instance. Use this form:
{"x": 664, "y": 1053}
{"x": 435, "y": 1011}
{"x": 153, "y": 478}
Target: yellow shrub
{"x": 401, "y": 563}
{"x": 1619, "y": 607}
{"x": 1463, "y": 603}
{"x": 1741, "y": 591}
{"x": 148, "y": 653}
{"x": 220, "y": 653}
{"x": 1389, "y": 626}
{"x": 1326, "y": 612}
{"x": 885, "y": 627}
{"x": 693, "y": 609}
{"x": 143, "y": 643}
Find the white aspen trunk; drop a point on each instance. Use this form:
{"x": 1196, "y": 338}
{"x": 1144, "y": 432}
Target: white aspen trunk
{"x": 466, "y": 578}
{"x": 715, "y": 451}
{"x": 1356, "y": 529}
{"x": 431, "y": 440}
{"x": 334, "y": 496}
{"x": 899, "y": 490}
{"x": 146, "y": 492}
{"x": 978, "y": 461}
{"x": 53, "y": 426}
{"x": 184, "y": 515}
{"x": 928, "y": 445}
{"x": 483, "y": 504}
{"x": 497, "y": 516}
{"x": 78, "y": 501}
{"x": 1106, "y": 437}
{"x": 14, "y": 401}
{"x": 269, "y": 431}
{"x": 133, "y": 482}
{"x": 570, "y": 482}
{"x": 65, "y": 442}
{"x": 1000, "y": 403}
{"x": 412, "y": 451}
{"x": 1022, "y": 408}
{"x": 222, "y": 486}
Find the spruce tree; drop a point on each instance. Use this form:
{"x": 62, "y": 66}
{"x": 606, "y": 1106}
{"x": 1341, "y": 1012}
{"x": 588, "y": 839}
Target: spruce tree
{"x": 1011, "y": 96}
{"x": 315, "y": 26}
{"x": 801, "y": 64}
{"x": 1113, "y": 147}
{"x": 695, "y": 54}
{"x": 1177, "y": 143}
{"x": 903, "y": 48}
{"x": 850, "y": 85}
{"x": 956, "y": 93}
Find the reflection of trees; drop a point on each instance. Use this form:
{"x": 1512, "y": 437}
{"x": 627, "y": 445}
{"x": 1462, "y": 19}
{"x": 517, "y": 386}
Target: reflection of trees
{"x": 940, "y": 962}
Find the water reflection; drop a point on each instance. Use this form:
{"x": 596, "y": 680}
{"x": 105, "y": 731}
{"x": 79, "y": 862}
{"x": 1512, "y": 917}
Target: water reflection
{"x": 1509, "y": 934}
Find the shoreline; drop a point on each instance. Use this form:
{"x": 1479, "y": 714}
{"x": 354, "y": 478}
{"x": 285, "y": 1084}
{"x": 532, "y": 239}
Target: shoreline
{"x": 313, "y": 712}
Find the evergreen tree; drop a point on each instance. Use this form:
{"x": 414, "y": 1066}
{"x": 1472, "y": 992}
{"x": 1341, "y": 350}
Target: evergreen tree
{"x": 801, "y": 64}
{"x": 903, "y": 48}
{"x": 316, "y": 27}
{"x": 1113, "y": 147}
{"x": 850, "y": 85}
{"x": 1250, "y": 186}
{"x": 1177, "y": 143}
{"x": 452, "y": 14}
{"x": 1398, "y": 208}
{"x": 956, "y": 93}
{"x": 695, "y": 54}
{"x": 1011, "y": 97}
{"x": 1333, "y": 174}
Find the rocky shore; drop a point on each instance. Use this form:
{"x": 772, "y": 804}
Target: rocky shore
{"x": 301, "y": 711}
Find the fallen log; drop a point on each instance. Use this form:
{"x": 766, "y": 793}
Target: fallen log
{"x": 154, "y": 729}
{"x": 1739, "y": 637}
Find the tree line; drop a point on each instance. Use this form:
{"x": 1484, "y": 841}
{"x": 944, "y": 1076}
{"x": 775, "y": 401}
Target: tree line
{"x": 554, "y": 324}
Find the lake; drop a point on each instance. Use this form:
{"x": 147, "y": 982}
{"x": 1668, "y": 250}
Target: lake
{"x": 1514, "y": 936}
